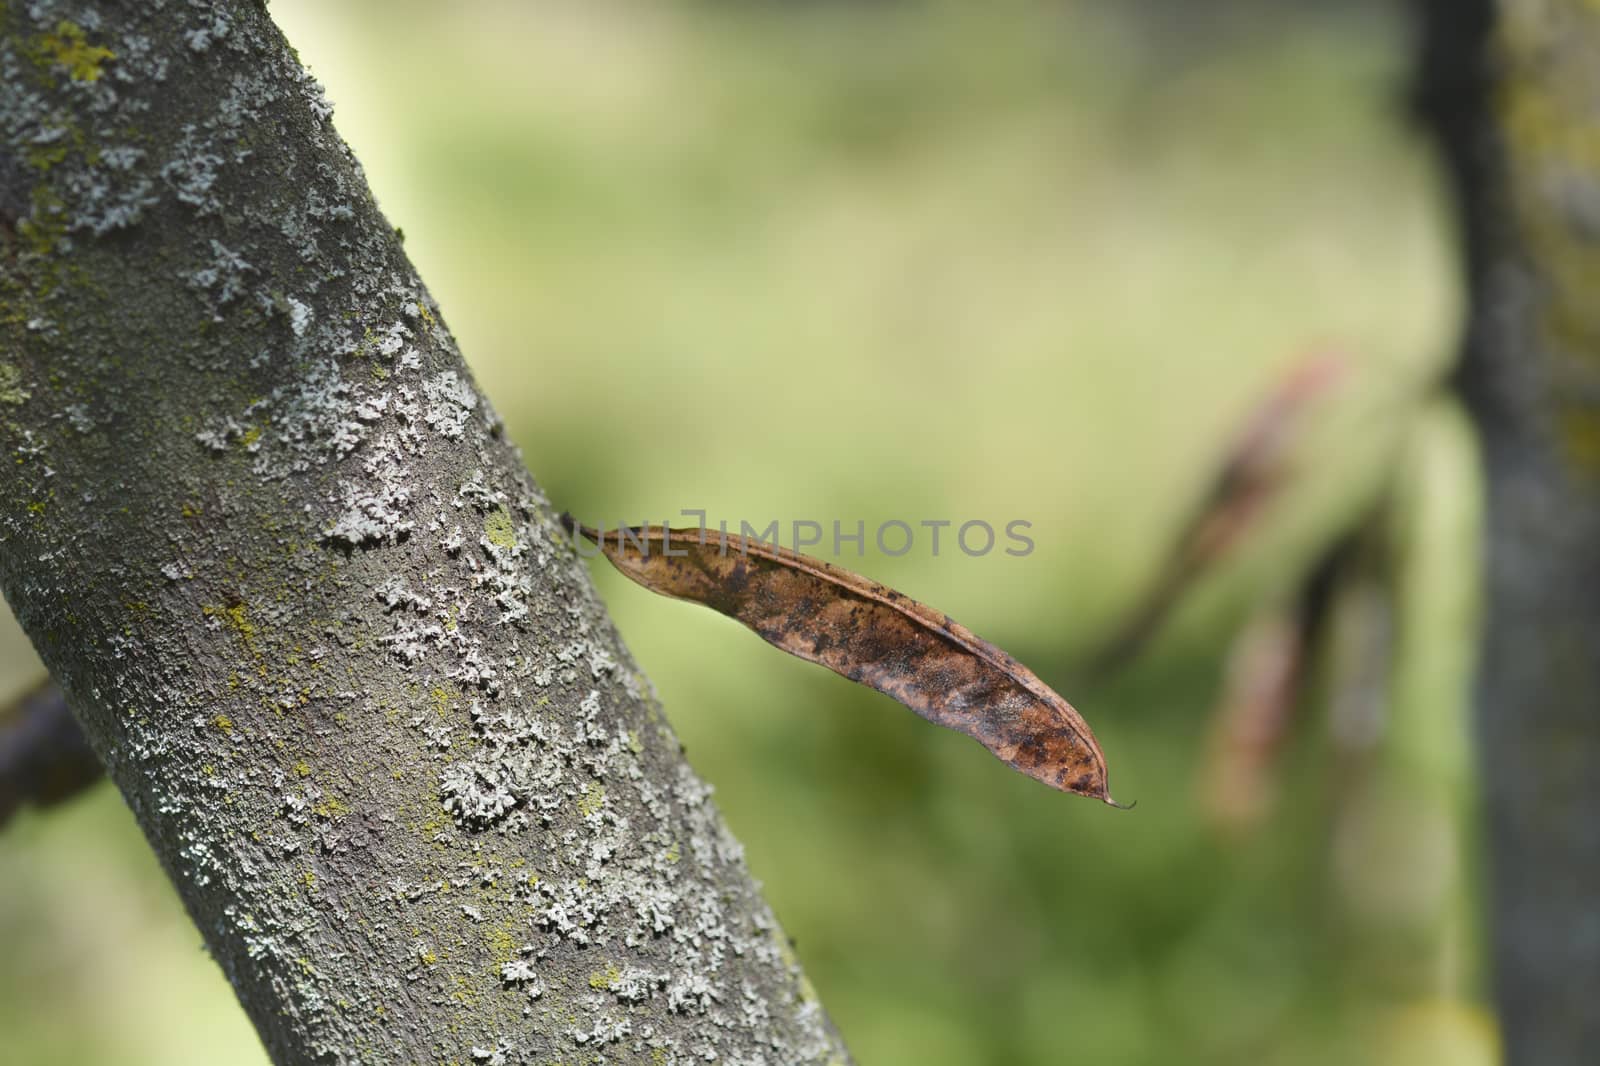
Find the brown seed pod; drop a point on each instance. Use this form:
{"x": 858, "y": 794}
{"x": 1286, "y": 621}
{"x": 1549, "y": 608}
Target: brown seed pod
{"x": 873, "y": 635}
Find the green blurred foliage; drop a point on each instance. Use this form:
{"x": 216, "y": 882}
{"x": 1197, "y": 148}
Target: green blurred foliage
{"x": 895, "y": 261}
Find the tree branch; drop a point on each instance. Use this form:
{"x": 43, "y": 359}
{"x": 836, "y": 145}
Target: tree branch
{"x": 1509, "y": 90}
{"x": 318, "y": 623}
{"x": 44, "y": 758}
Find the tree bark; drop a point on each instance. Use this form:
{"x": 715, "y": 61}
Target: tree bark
{"x": 1510, "y": 88}
{"x": 312, "y": 613}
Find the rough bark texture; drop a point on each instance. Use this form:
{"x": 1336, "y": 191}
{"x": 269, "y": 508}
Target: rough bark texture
{"x": 1513, "y": 91}
{"x": 314, "y": 616}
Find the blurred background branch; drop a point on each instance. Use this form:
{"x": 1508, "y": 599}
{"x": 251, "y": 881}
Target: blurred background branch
{"x": 1510, "y": 92}
{"x": 1253, "y": 472}
{"x": 44, "y": 758}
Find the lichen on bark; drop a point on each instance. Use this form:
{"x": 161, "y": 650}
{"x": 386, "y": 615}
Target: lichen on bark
{"x": 313, "y": 614}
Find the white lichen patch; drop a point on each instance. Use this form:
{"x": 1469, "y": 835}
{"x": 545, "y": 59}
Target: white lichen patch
{"x": 451, "y": 401}
{"x": 201, "y": 37}
{"x": 192, "y": 173}
{"x": 222, "y": 279}
{"x": 300, "y": 315}
{"x": 476, "y": 793}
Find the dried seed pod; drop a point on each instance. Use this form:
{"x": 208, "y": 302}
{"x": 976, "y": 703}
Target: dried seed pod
{"x": 873, "y": 635}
